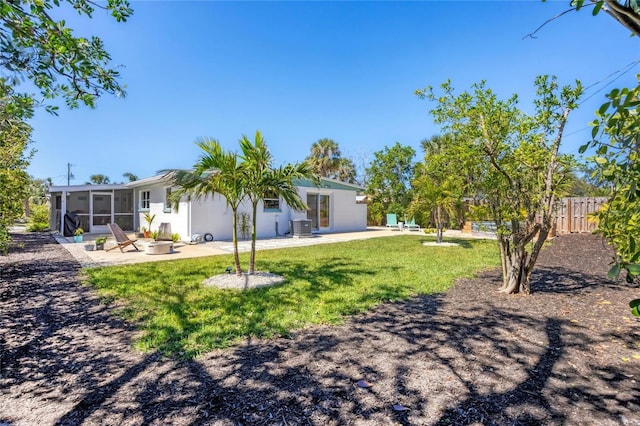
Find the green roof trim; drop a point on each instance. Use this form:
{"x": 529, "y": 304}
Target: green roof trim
{"x": 328, "y": 184}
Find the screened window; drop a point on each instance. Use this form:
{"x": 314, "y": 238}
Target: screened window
{"x": 145, "y": 199}
{"x": 123, "y": 201}
{"x": 271, "y": 202}
{"x": 123, "y": 209}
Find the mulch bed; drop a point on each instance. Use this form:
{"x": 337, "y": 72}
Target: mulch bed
{"x": 568, "y": 354}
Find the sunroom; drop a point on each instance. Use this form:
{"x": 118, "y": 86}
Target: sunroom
{"x": 94, "y": 205}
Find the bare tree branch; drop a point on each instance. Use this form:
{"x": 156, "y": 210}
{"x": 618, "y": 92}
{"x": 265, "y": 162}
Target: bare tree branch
{"x": 533, "y": 34}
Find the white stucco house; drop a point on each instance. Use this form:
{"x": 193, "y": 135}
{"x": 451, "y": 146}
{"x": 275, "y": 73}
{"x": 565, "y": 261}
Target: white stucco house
{"x": 334, "y": 206}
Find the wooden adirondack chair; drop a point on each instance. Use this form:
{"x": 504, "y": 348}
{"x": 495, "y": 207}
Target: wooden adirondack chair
{"x": 121, "y": 238}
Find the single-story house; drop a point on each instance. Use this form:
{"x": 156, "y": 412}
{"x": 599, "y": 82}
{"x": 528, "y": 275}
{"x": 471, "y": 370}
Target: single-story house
{"x": 333, "y": 206}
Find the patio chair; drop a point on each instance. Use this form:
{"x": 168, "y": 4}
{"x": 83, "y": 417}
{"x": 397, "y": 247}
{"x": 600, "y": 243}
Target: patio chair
{"x": 121, "y": 238}
{"x": 411, "y": 225}
{"x": 392, "y": 221}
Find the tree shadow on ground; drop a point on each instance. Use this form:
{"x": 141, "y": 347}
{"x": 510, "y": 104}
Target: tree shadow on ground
{"x": 564, "y": 280}
{"x": 482, "y": 407}
{"x": 447, "y": 360}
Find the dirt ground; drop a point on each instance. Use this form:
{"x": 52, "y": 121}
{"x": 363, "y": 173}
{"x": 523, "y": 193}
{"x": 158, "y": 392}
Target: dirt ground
{"x": 568, "y": 354}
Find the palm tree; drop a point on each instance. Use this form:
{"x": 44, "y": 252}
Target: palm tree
{"x": 98, "y": 179}
{"x": 216, "y": 172}
{"x": 438, "y": 185}
{"x": 130, "y": 176}
{"x": 346, "y": 171}
{"x": 261, "y": 179}
{"x": 439, "y": 145}
{"x": 435, "y": 144}
{"x": 236, "y": 177}
{"x": 257, "y": 161}
{"x": 325, "y": 157}
{"x": 440, "y": 194}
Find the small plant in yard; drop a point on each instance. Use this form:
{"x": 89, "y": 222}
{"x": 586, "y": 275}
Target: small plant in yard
{"x": 175, "y": 237}
{"x": 37, "y": 227}
{"x": 100, "y": 243}
{"x": 77, "y": 237}
{"x": 38, "y": 218}
{"x": 324, "y": 283}
{"x": 244, "y": 225}
{"x": 149, "y": 218}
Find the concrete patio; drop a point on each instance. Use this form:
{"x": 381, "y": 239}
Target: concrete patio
{"x": 182, "y": 250}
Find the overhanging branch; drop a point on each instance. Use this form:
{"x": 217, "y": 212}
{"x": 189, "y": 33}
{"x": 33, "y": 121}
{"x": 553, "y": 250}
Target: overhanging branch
{"x": 533, "y": 34}
{"x": 625, "y": 15}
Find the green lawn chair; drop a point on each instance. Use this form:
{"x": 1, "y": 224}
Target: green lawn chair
{"x": 411, "y": 225}
{"x": 392, "y": 221}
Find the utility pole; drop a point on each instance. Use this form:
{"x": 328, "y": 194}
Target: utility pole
{"x": 69, "y": 174}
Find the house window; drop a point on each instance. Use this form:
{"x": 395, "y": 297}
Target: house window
{"x": 167, "y": 200}
{"x": 145, "y": 200}
{"x": 271, "y": 202}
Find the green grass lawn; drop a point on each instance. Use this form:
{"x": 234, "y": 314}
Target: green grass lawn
{"x": 325, "y": 282}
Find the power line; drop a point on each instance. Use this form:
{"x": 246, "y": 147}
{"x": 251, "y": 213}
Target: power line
{"x": 622, "y": 71}
{"x": 577, "y": 131}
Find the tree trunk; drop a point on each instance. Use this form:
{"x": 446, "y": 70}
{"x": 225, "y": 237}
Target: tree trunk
{"x": 236, "y": 255}
{"x": 517, "y": 277}
{"x": 503, "y": 243}
{"x": 439, "y": 223}
{"x": 252, "y": 255}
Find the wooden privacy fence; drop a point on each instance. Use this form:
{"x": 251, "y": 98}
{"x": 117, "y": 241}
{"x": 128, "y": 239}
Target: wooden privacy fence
{"x": 572, "y": 214}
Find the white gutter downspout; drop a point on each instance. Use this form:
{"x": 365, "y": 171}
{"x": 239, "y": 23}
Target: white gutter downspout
{"x": 63, "y": 210}
{"x": 136, "y": 214}
{"x": 189, "y": 230}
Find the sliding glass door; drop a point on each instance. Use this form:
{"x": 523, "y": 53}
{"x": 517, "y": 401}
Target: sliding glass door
{"x": 319, "y": 211}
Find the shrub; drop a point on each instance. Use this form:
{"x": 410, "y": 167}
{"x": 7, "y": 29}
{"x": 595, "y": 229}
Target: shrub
{"x": 175, "y": 237}
{"x": 244, "y": 225}
{"x": 479, "y": 213}
{"x": 37, "y": 227}
{"x": 38, "y": 218}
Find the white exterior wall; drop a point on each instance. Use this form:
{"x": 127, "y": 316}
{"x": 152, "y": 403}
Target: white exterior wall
{"x": 266, "y": 223}
{"x": 345, "y": 215}
{"x": 212, "y": 216}
{"x": 215, "y": 217}
{"x": 179, "y": 219}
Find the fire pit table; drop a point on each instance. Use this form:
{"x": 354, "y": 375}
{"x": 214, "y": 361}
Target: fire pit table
{"x": 159, "y": 247}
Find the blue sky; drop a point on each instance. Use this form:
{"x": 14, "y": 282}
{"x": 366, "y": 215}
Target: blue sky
{"x": 301, "y": 71}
